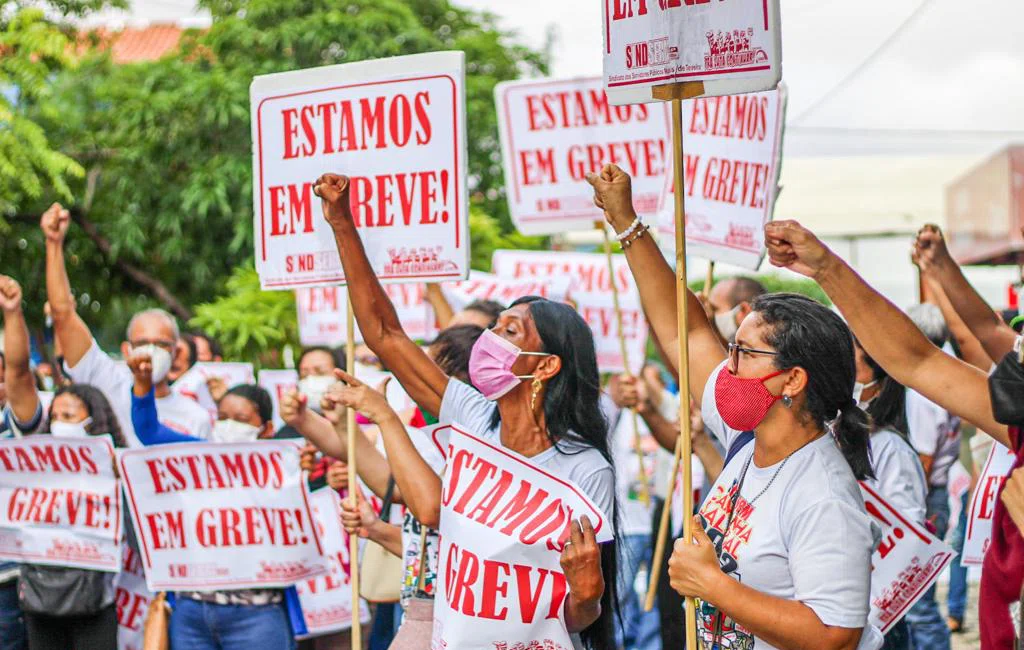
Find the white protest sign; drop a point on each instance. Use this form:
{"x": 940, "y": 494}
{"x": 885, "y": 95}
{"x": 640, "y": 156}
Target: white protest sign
{"x": 556, "y": 131}
{"x": 60, "y": 502}
{"x": 487, "y": 286}
{"x": 983, "y": 505}
{"x": 222, "y": 516}
{"x": 193, "y": 383}
{"x": 733, "y": 47}
{"x": 504, "y": 522}
{"x": 327, "y": 600}
{"x": 907, "y": 561}
{"x": 132, "y": 600}
{"x": 397, "y": 127}
{"x": 732, "y": 158}
{"x": 278, "y": 383}
{"x": 591, "y": 291}
{"x": 322, "y": 312}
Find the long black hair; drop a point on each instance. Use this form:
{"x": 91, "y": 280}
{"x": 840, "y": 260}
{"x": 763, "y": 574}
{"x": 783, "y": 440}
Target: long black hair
{"x": 807, "y": 334}
{"x": 452, "y": 349}
{"x": 888, "y": 410}
{"x": 572, "y": 412}
{"x": 98, "y": 408}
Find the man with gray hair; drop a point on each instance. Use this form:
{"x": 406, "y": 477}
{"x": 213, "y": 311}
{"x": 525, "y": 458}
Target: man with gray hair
{"x": 935, "y": 435}
{"x": 152, "y": 332}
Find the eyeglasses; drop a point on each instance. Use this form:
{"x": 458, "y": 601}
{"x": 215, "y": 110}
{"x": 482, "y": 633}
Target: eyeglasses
{"x": 735, "y": 349}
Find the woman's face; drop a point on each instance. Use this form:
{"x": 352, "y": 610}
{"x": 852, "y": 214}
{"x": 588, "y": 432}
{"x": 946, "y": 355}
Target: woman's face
{"x": 516, "y": 325}
{"x": 238, "y": 408}
{"x": 68, "y": 408}
{"x": 864, "y": 373}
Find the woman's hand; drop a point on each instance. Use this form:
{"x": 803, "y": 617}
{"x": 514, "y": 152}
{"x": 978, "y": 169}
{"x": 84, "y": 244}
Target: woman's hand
{"x": 693, "y": 569}
{"x": 142, "y": 370}
{"x": 623, "y": 390}
{"x": 929, "y": 251}
{"x": 355, "y": 394}
{"x": 794, "y": 247}
{"x": 337, "y": 475}
{"x": 333, "y": 191}
{"x": 581, "y": 563}
{"x": 307, "y": 458}
{"x": 359, "y": 519}
{"x": 613, "y": 193}
{"x": 293, "y": 409}
{"x": 1013, "y": 497}
{"x": 10, "y": 295}
{"x": 217, "y": 387}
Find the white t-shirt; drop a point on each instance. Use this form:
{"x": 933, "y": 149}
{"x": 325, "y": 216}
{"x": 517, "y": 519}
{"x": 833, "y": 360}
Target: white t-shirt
{"x": 934, "y": 432}
{"x": 634, "y": 515}
{"x": 899, "y": 476}
{"x": 114, "y": 380}
{"x": 571, "y": 461}
{"x": 807, "y": 537}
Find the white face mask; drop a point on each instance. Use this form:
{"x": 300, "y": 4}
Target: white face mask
{"x": 234, "y": 431}
{"x": 726, "y": 324}
{"x": 858, "y": 392}
{"x": 48, "y": 383}
{"x": 314, "y": 387}
{"x": 70, "y": 429}
{"x": 160, "y": 358}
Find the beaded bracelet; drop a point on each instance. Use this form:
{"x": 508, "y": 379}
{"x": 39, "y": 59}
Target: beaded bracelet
{"x": 640, "y": 233}
{"x": 629, "y": 231}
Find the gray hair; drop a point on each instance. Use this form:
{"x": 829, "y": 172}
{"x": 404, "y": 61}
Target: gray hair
{"x": 930, "y": 321}
{"x": 173, "y": 322}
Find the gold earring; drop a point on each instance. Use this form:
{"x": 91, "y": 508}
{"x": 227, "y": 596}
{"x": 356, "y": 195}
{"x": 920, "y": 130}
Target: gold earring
{"x": 536, "y": 385}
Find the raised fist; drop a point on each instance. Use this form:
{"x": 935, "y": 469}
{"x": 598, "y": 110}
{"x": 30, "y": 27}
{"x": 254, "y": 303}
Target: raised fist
{"x": 55, "y": 222}
{"x": 794, "y": 247}
{"x": 10, "y": 294}
{"x": 929, "y": 249}
{"x": 613, "y": 193}
{"x": 333, "y": 192}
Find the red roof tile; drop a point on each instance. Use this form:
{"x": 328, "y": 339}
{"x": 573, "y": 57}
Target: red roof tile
{"x": 135, "y": 44}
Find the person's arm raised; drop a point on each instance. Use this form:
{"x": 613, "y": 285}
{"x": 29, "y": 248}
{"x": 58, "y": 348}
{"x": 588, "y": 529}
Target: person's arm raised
{"x": 657, "y": 282}
{"x": 21, "y": 385}
{"x": 71, "y": 331}
{"x": 377, "y": 318}
{"x": 933, "y": 257}
{"x": 971, "y": 349}
{"x": 886, "y": 333}
{"x": 442, "y": 308}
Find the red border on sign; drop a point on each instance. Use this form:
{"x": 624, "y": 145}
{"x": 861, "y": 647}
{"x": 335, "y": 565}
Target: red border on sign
{"x": 455, "y": 124}
{"x": 683, "y": 75}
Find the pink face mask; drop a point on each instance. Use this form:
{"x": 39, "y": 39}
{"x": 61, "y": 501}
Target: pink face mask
{"x": 490, "y": 365}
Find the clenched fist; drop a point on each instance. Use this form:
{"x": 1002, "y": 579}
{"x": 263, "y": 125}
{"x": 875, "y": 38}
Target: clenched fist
{"x": 54, "y": 223}
{"x": 794, "y": 247}
{"x": 613, "y": 193}
{"x": 333, "y": 191}
{"x": 929, "y": 251}
{"x": 10, "y": 294}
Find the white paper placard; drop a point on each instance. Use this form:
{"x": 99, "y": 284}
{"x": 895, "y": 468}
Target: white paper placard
{"x": 983, "y": 505}
{"x": 487, "y": 286}
{"x": 131, "y": 597}
{"x": 193, "y": 383}
{"x": 322, "y": 312}
{"x": 278, "y": 383}
{"x": 397, "y": 128}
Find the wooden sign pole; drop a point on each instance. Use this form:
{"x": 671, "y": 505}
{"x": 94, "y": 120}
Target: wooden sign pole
{"x": 353, "y": 487}
{"x": 709, "y": 280}
{"x": 645, "y": 490}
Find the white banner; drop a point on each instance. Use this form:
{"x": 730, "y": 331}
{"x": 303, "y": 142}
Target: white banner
{"x": 322, "y": 312}
{"x": 193, "y": 383}
{"x": 556, "y": 131}
{"x": 487, "y": 286}
{"x": 502, "y": 532}
{"x": 398, "y": 127}
{"x": 60, "y": 502}
{"x": 278, "y": 383}
{"x": 212, "y": 516}
{"x": 327, "y": 600}
{"x": 983, "y": 505}
{"x": 733, "y": 47}
{"x": 732, "y": 158}
{"x": 591, "y": 291}
{"x": 907, "y": 561}
{"x": 132, "y": 600}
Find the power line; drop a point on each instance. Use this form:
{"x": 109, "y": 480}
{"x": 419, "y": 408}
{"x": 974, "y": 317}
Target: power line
{"x": 871, "y": 58}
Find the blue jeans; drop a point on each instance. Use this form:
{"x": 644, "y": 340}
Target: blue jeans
{"x": 197, "y": 625}
{"x": 898, "y": 637}
{"x": 12, "y": 621}
{"x": 927, "y": 627}
{"x": 957, "y": 600}
{"x": 639, "y": 630}
{"x": 384, "y": 625}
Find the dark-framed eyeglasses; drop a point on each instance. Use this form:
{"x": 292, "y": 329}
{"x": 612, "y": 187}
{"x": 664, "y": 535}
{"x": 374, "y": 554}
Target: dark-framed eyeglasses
{"x": 735, "y": 349}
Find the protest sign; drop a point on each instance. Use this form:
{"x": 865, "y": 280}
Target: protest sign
{"x": 732, "y": 47}
{"x": 732, "y": 164}
{"x": 61, "y": 502}
{"x": 278, "y": 383}
{"x": 983, "y": 505}
{"x": 504, "y": 522}
{"x": 322, "y": 312}
{"x": 132, "y": 600}
{"x": 556, "y": 131}
{"x": 487, "y": 286}
{"x": 906, "y": 563}
{"x": 397, "y": 128}
{"x": 193, "y": 384}
{"x": 591, "y": 291}
{"x": 327, "y": 600}
{"x": 222, "y": 516}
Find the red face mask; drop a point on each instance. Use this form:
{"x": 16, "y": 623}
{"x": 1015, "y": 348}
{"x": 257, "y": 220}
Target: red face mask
{"x": 743, "y": 403}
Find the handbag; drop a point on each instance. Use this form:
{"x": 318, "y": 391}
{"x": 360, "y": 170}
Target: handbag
{"x": 417, "y": 629}
{"x": 381, "y": 571}
{"x": 156, "y": 630}
{"x": 60, "y": 591}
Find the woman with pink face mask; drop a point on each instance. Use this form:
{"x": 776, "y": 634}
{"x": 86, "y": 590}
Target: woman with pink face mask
{"x": 537, "y": 391}
{"x": 782, "y": 547}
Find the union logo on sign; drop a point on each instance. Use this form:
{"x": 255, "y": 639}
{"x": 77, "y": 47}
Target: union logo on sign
{"x": 732, "y": 49}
